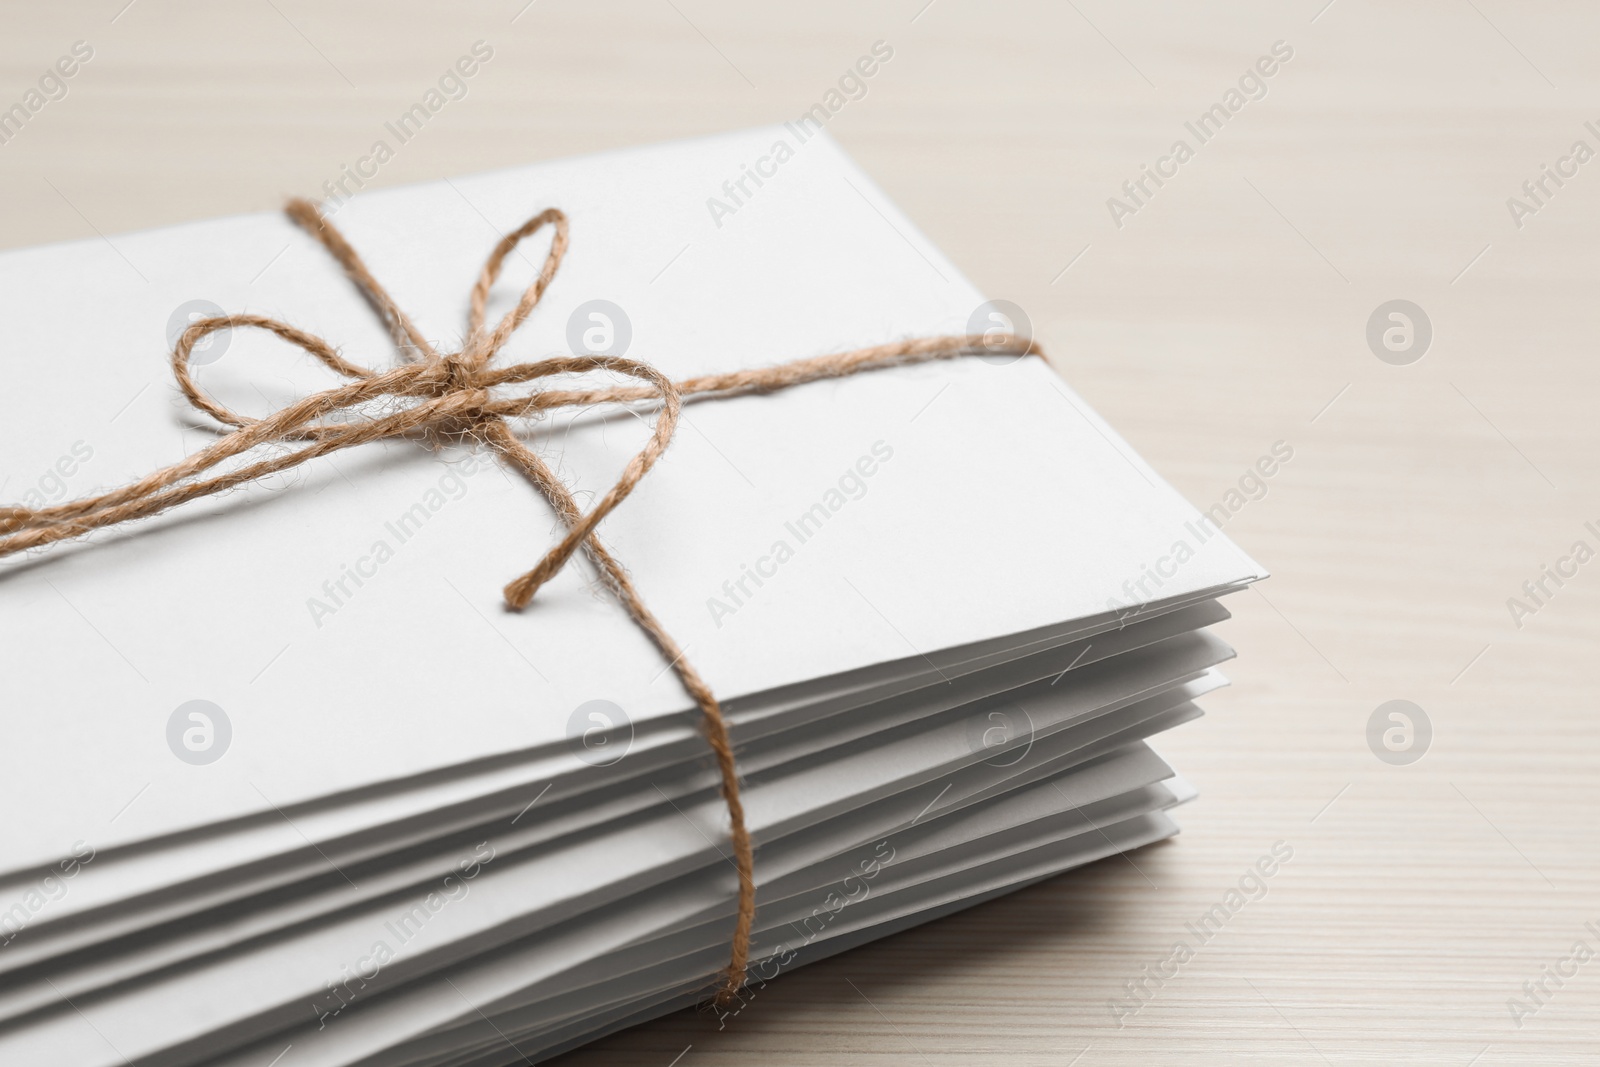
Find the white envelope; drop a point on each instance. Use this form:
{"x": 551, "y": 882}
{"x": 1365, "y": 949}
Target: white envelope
{"x": 116, "y": 895}
{"x": 998, "y": 505}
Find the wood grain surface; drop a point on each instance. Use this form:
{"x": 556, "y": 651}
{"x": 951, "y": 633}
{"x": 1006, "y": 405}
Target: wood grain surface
{"x": 1225, "y": 312}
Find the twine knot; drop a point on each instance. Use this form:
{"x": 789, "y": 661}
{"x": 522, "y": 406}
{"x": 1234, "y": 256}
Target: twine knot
{"x": 457, "y": 375}
{"x": 456, "y": 395}
{"x": 455, "y": 380}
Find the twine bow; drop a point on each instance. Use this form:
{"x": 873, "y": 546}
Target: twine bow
{"x": 452, "y": 394}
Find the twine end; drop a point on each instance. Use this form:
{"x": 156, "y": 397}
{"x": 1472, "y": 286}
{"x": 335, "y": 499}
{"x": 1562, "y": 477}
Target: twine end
{"x": 519, "y": 594}
{"x": 728, "y": 993}
{"x": 304, "y": 212}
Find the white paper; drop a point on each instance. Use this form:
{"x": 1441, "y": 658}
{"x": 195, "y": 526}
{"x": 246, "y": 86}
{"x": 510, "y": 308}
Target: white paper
{"x": 514, "y": 896}
{"x": 1006, "y": 506}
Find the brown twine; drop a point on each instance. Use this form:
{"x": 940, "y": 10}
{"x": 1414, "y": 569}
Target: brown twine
{"x": 452, "y": 397}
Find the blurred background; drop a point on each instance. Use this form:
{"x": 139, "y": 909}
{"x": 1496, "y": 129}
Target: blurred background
{"x": 1235, "y": 309}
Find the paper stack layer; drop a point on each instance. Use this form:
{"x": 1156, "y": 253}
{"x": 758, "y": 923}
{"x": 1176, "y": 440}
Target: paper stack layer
{"x": 299, "y": 791}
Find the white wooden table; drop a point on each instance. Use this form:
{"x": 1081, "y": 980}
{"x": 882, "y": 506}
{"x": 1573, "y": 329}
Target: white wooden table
{"x": 1227, "y": 312}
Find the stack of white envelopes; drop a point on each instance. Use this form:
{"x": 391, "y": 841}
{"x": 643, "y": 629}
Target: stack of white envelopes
{"x": 289, "y": 786}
